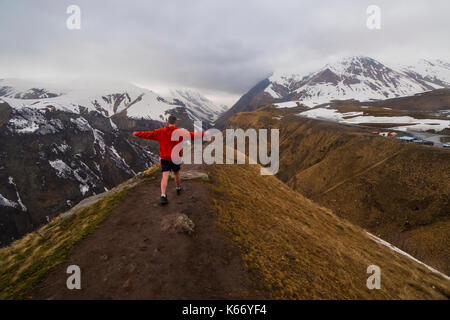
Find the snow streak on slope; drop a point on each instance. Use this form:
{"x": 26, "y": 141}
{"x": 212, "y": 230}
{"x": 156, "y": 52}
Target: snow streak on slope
{"x": 394, "y": 248}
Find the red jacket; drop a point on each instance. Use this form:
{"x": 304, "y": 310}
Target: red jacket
{"x": 164, "y": 138}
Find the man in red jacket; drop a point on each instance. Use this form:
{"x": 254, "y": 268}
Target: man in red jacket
{"x": 166, "y": 145}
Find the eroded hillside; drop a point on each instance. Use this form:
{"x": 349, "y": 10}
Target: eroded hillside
{"x": 398, "y": 191}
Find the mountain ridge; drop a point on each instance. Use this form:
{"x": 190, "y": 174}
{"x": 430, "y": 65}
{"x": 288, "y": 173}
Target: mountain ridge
{"x": 356, "y": 77}
{"x": 106, "y": 97}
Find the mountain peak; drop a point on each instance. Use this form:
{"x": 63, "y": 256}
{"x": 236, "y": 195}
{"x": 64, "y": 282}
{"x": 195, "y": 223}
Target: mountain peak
{"x": 107, "y": 96}
{"x": 355, "y": 59}
{"x": 353, "y": 65}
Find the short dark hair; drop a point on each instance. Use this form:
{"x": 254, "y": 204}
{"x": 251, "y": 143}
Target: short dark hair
{"x": 172, "y": 119}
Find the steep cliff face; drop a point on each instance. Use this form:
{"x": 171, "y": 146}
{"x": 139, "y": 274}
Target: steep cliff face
{"x": 51, "y": 160}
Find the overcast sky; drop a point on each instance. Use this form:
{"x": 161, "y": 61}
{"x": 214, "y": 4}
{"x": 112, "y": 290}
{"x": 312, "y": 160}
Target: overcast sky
{"x": 219, "y": 47}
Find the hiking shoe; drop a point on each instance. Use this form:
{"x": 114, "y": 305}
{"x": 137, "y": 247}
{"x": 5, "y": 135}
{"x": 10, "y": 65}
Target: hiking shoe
{"x": 179, "y": 189}
{"x": 164, "y": 200}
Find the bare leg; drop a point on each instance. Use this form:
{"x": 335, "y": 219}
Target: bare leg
{"x": 164, "y": 181}
{"x": 177, "y": 178}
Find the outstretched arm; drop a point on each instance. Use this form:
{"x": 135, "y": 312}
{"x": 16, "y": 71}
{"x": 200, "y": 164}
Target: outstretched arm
{"x": 150, "y": 135}
{"x": 197, "y": 135}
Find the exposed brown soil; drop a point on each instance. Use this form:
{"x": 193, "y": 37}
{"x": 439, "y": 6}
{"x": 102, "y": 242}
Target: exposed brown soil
{"x": 130, "y": 257}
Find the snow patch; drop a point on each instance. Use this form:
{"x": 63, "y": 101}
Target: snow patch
{"x": 61, "y": 168}
{"x": 27, "y": 121}
{"x": 288, "y": 104}
{"x": 98, "y": 139}
{"x": 81, "y": 124}
{"x": 61, "y": 148}
{"x": 84, "y": 188}
{"x": 113, "y": 125}
{"x": 357, "y": 118}
{"x": 7, "y": 203}
{"x": 394, "y": 248}
{"x": 272, "y": 93}
{"x": 66, "y": 172}
{"x": 119, "y": 161}
{"x": 329, "y": 114}
{"x": 19, "y": 200}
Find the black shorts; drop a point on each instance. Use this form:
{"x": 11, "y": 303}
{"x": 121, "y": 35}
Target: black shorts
{"x": 167, "y": 165}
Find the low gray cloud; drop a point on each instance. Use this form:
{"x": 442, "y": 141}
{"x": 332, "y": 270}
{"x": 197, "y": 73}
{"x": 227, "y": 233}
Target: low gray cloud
{"x": 219, "y": 47}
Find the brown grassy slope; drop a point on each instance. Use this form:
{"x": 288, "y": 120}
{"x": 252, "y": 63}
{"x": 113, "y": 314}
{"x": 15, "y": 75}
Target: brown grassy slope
{"x": 296, "y": 249}
{"x": 398, "y": 191}
{"x": 431, "y": 101}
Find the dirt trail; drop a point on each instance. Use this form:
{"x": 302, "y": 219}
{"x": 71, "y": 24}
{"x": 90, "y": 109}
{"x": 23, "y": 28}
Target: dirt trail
{"x": 378, "y": 163}
{"x": 130, "y": 257}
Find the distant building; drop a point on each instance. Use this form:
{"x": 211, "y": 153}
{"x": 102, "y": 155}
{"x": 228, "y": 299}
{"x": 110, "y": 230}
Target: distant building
{"x": 405, "y": 138}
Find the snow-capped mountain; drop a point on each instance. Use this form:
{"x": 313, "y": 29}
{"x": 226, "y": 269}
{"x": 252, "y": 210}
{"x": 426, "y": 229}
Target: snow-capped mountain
{"x": 28, "y": 89}
{"x": 108, "y": 98}
{"x": 431, "y": 73}
{"x": 198, "y": 106}
{"x": 358, "y": 77}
